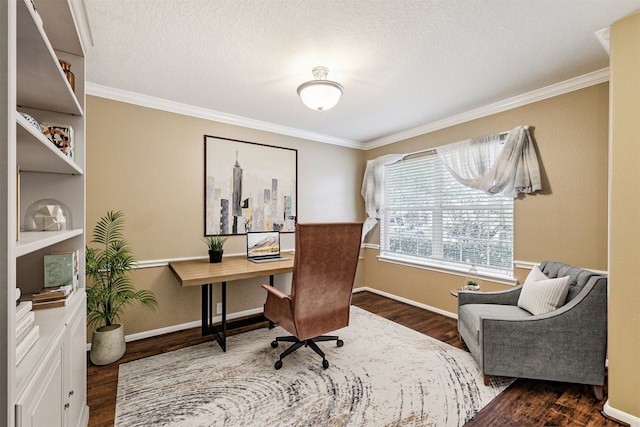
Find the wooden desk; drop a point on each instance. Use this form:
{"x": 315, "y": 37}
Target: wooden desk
{"x": 204, "y": 274}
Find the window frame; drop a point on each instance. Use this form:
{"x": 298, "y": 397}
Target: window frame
{"x": 497, "y": 274}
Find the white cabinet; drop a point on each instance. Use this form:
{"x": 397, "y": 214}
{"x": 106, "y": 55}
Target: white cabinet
{"x": 48, "y": 386}
{"x": 75, "y": 370}
{"x": 54, "y": 395}
{"x": 41, "y": 404}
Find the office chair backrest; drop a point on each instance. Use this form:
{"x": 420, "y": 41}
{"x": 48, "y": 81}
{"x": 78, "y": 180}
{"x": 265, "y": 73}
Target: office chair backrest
{"x": 323, "y": 274}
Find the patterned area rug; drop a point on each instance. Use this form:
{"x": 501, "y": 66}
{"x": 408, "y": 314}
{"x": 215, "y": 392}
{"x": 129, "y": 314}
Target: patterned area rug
{"x": 385, "y": 374}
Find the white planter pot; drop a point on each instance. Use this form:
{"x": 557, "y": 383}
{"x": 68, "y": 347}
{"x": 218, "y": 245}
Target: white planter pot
{"x": 107, "y": 344}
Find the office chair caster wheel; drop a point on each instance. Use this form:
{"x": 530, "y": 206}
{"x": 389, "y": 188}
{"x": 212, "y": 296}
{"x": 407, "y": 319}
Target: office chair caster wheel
{"x": 339, "y": 343}
{"x": 274, "y": 344}
{"x": 325, "y": 364}
{"x": 278, "y": 364}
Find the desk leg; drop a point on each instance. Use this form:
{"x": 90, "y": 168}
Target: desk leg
{"x": 223, "y": 338}
{"x": 219, "y": 332}
{"x": 271, "y": 283}
{"x": 207, "y": 309}
{"x": 207, "y": 315}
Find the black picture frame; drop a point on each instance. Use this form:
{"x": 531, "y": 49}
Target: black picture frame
{"x": 249, "y": 187}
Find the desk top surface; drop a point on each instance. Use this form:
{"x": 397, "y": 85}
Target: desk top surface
{"x": 202, "y": 272}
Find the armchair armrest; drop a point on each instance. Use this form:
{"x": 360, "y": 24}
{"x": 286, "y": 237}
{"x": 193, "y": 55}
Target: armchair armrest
{"x": 277, "y": 293}
{"x": 567, "y": 344}
{"x": 279, "y": 308}
{"x": 507, "y": 297}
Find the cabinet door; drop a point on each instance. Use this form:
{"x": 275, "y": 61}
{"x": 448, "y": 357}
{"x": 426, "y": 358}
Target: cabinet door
{"x": 42, "y": 404}
{"x": 75, "y": 364}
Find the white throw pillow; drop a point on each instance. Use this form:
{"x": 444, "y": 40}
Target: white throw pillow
{"x": 535, "y": 275}
{"x": 542, "y": 295}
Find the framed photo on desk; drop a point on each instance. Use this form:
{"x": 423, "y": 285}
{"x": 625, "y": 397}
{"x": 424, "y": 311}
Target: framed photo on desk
{"x": 249, "y": 187}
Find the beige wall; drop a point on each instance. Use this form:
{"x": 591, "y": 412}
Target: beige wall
{"x": 565, "y": 222}
{"x": 624, "y": 243}
{"x": 150, "y": 164}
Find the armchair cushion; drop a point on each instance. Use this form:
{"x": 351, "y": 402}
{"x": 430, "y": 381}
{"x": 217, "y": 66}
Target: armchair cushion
{"x": 470, "y": 316}
{"x": 543, "y": 296}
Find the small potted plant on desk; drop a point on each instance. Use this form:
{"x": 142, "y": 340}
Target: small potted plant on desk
{"x": 215, "y": 244}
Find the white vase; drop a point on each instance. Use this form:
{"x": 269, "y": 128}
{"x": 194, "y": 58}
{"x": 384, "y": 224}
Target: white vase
{"x": 107, "y": 344}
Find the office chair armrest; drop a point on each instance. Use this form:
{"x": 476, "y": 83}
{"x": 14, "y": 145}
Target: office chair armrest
{"x": 276, "y": 292}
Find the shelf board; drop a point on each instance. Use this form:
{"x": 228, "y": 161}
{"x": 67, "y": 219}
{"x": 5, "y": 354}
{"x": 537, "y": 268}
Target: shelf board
{"x": 35, "y": 153}
{"x": 63, "y": 37}
{"x": 40, "y": 81}
{"x": 31, "y": 241}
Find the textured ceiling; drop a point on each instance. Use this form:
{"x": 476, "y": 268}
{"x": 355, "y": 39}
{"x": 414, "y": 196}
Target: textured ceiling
{"x": 403, "y": 63}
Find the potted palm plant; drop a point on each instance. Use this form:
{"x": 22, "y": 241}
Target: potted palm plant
{"x": 215, "y": 244}
{"x": 110, "y": 288}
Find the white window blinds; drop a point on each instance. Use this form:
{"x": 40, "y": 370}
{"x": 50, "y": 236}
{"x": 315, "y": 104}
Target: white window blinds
{"x": 432, "y": 218}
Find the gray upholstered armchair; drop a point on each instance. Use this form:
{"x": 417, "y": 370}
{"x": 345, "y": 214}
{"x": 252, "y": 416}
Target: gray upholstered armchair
{"x": 567, "y": 344}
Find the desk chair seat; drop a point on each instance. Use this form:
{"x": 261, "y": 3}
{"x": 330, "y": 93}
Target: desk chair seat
{"x": 323, "y": 273}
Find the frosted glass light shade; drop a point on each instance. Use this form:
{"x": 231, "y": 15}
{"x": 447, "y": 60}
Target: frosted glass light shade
{"x": 320, "y": 94}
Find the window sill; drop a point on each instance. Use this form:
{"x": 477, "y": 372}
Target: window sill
{"x": 441, "y": 268}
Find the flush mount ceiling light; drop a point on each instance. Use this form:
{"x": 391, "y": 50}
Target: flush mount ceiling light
{"x": 320, "y": 94}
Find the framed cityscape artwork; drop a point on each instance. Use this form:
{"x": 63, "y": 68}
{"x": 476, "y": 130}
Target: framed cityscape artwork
{"x": 249, "y": 187}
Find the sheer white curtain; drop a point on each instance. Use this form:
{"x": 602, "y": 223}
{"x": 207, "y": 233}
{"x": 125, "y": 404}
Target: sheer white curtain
{"x": 372, "y": 189}
{"x": 489, "y": 165}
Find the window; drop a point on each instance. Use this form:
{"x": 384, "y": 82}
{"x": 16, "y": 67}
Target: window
{"x": 431, "y": 218}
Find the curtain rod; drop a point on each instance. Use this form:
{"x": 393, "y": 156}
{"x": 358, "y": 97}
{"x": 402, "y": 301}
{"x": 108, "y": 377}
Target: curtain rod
{"x": 430, "y": 151}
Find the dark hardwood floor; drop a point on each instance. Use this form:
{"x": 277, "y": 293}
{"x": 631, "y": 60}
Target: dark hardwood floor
{"x": 524, "y": 403}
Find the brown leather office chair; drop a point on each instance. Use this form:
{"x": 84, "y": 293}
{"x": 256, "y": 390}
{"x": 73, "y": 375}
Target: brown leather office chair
{"x": 324, "y": 269}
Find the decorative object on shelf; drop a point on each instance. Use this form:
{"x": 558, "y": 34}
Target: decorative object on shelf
{"x": 31, "y": 121}
{"x": 47, "y": 215}
{"x": 320, "y": 94}
{"x": 61, "y": 136}
{"x": 51, "y": 297}
{"x": 61, "y": 269}
{"x": 472, "y": 280}
{"x": 215, "y": 244}
{"x": 110, "y": 288}
{"x": 66, "y": 68}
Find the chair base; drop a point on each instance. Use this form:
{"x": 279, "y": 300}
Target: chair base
{"x": 311, "y": 343}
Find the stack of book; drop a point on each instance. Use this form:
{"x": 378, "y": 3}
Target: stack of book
{"x": 27, "y": 332}
{"x": 50, "y": 297}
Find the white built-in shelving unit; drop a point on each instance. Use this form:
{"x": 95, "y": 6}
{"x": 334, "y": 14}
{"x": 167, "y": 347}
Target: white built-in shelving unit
{"x": 48, "y": 386}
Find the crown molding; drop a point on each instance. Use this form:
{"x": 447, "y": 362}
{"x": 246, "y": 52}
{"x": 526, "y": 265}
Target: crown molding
{"x": 114, "y": 94}
{"x": 604, "y": 37}
{"x": 550, "y": 91}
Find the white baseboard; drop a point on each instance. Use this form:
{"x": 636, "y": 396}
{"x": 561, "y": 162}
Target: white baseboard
{"x": 231, "y": 316}
{"x": 407, "y": 301}
{"x": 618, "y": 415}
{"x": 183, "y": 326}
